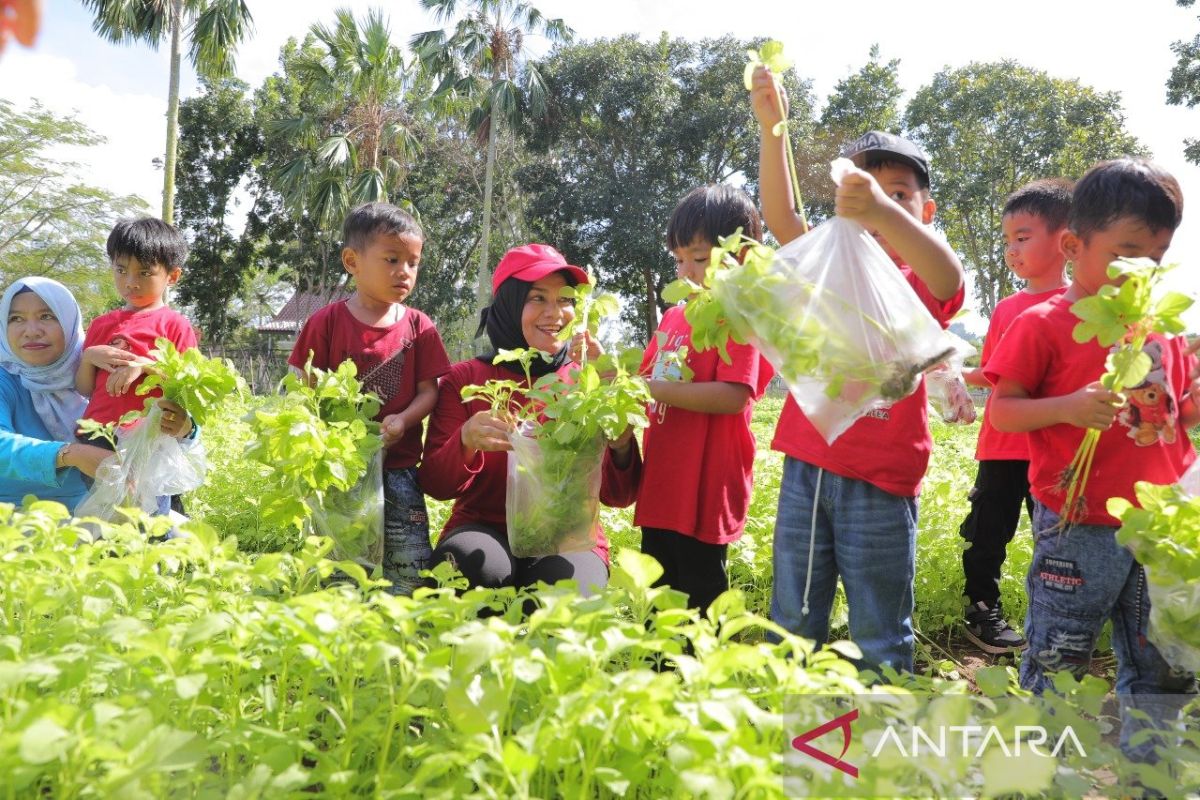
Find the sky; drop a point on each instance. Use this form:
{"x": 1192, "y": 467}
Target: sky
{"x": 121, "y": 91}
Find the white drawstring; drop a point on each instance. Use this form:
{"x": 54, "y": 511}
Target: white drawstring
{"x": 812, "y": 541}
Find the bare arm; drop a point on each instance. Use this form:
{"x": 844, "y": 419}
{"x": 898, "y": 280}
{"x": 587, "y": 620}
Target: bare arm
{"x": 929, "y": 256}
{"x": 85, "y": 378}
{"x": 1014, "y": 411}
{"x": 422, "y": 405}
{"x": 708, "y": 397}
{"x": 975, "y": 377}
{"x": 774, "y": 185}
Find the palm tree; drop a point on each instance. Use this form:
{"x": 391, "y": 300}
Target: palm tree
{"x": 352, "y": 131}
{"x": 214, "y": 29}
{"x": 482, "y": 59}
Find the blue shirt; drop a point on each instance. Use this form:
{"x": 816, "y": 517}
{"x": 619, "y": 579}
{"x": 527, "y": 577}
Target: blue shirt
{"x": 27, "y": 452}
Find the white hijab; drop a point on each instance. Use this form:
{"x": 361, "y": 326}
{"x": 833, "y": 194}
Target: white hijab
{"x": 52, "y": 386}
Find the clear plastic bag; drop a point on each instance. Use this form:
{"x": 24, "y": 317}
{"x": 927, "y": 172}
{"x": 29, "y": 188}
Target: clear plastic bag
{"x": 838, "y": 321}
{"x": 354, "y": 519}
{"x": 148, "y": 464}
{"x": 552, "y": 499}
{"x": 1175, "y": 604}
{"x": 948, "y": 392}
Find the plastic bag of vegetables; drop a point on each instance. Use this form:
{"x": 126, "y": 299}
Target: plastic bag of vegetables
{"x": 353, "y": 519}
{"x": 1164, "y": 535}
{"x": 552, "y": 498}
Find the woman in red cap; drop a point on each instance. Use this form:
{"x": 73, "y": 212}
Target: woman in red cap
{"x": 465, "y": 446}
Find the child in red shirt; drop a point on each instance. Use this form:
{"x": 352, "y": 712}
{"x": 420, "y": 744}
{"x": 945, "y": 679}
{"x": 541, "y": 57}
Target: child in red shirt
{"x": 849, "y": 509}
{"x": 1047, "y": 385}
{"x": 1034, "y": 218}
{"x": 399, "y": 356}
{"x": 698, "y": 457}
{"x": 147, "y": 258}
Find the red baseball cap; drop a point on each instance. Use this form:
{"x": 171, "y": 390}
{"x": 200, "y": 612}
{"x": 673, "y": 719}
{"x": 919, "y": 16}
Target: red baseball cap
{"x": 529, "y": 262}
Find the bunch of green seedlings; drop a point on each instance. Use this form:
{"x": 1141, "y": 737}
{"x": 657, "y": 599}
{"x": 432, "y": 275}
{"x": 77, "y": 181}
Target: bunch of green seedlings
{"x": 1123, "y": 314}
{"x": 316, "y": 441}
{"x": 570, "y": 417}
{"x": 747, "y": 298}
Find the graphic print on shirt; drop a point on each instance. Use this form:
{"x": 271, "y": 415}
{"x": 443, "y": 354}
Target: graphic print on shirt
{"x": 665, "y": 367}
{"x": 383, "y": 378}
{"x": 1150, "y": 415}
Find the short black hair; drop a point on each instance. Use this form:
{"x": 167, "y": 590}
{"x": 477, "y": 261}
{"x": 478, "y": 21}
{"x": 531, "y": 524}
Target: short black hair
{"x": 149, "y": 240}
{"x": 710, "y": 212}
{"x": 1126, "y": 187}
{"x": 373, "y": 219}
{"x": 874, "y": 161}
{"x": 1048, "y": 199}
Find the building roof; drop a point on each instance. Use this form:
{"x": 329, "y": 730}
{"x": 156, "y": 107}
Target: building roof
{"x": 299, "y": 307}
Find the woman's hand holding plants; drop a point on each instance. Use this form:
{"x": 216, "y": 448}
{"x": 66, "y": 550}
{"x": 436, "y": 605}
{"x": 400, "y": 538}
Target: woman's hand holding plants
{"x": 86, "y": 458}
{"x": 484, "y": 432}
{"x": 176, "y": 421}
{"x": 584, "y": 342}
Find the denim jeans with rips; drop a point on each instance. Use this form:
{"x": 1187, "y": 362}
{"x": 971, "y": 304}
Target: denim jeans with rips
{"x": 406, "y": 547}
{"x": 859, "y": 532}
{"x": 1078, "y": 578}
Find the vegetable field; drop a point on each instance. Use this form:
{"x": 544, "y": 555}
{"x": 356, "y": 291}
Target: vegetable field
{"x": 237, "y": 662}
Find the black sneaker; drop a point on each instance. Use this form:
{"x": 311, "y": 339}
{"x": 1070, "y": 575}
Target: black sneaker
{"x": 987, "y": 628}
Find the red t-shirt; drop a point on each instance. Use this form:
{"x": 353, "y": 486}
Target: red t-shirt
{"x": 136, "y": 332}
{"x": 697, "y": 468}
{"x": 391, "y": 362}
{"x": 889, "y": 447}
{"x": 1145, "y": 443}
{"x": 478, "y": 488}
{"x": 995, "y": 445}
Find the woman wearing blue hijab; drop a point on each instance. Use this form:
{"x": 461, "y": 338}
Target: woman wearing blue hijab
{"x": 39, "y": 406}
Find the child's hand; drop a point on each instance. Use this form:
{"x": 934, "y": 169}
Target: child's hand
{"x": 860, "y": 197}
{"x": 175, "y": 420}
{"x": 122, "y": 378}
{"x": 765, "y": 96}
{"x": 391, "y": 430}
{"x": 1093, "y": 406}
{"x": 109, "y": 359}
{"x": 581, "y": 340}
{"x": 484, "y": 432}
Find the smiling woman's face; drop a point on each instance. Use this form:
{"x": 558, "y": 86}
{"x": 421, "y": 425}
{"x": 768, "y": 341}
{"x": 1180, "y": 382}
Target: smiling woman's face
{"x": 34, "y": 334}
{"x": 545, "y": 313}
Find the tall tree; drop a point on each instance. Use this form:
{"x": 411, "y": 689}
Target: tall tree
{"x": 989, "y": 129}
{"x": 50, "y": 223}
{"x": 633, "y": 126}
{"x": 218, "y": 142}
{"x": 483, "y": 58}
{"x": 1183, "y": 86}
{"x": 354, "y": 133}
{"x": 867, "y": 99}
{"x": 213, "y": 29}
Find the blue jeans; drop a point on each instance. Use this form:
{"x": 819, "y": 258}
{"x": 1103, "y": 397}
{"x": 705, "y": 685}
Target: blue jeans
{"x": 860, "y": 532}
{"x": 1078, "y": 578}
{"x": 406, "y": 548}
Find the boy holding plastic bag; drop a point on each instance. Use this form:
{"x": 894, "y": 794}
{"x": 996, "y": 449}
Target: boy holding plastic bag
{"x": 147, "y": 257}
{"x": 850, "y": 508}
{"x": 399, "y": 355}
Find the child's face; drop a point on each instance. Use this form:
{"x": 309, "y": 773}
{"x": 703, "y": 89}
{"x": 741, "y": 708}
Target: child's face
{"x": 901, "y": 185}
{"x": 385, "y": 270}
{"x": 1128, "y": 237}
{"x": 545, "y": 313}
{"x": 1031, "y": 250}
{"x": 142, "y": 285}
{"x": 34, "y": 334}
{"x": 691, "y": 261}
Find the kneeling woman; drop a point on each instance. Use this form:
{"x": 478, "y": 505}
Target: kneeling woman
{"x": 39, "y": 406}
{"x": 465, "y": 446}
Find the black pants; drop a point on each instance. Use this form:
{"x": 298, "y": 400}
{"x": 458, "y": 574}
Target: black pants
{"x": 1001, "y": 487}
{"x": 481, "y": 553}
{"x": 693, "y": 567}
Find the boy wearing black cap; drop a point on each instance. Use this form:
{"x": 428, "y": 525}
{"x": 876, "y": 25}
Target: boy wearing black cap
{"x": 850, "y": 508}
